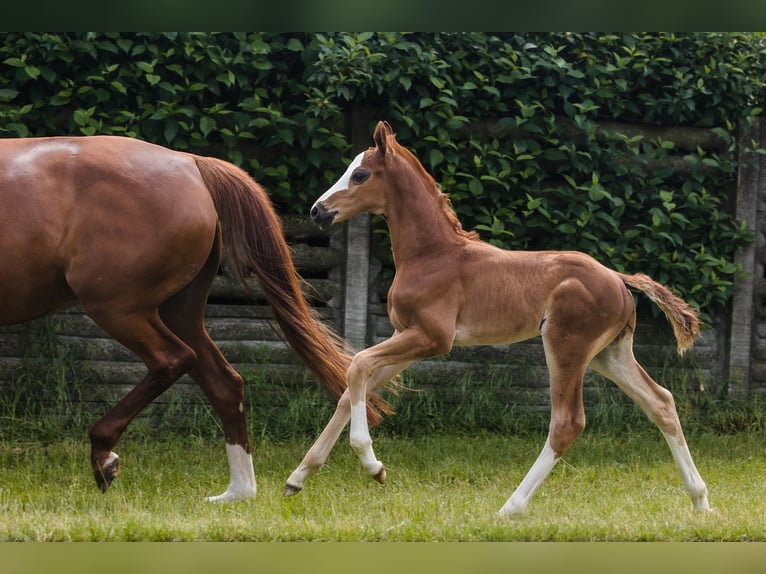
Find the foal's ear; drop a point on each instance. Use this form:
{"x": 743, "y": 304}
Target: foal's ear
{"x": 380, "y": 137}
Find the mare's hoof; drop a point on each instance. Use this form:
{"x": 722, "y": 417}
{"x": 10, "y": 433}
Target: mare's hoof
{"x": 381, "y": 476}
{"x": 107, "y": 472}
{"x": 291, "y": 490}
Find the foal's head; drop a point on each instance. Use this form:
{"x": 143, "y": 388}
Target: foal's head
{"x": 362, "y": 188}
{"x": 367, "y": 183}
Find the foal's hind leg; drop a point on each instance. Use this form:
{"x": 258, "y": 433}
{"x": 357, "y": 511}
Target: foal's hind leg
{"x": 567, "y": 422}
{"x": 618, "y": 364}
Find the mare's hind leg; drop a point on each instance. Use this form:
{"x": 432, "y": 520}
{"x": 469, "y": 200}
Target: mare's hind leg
{"x": 166, "y": 358}
{"x": 221, "y": 384}
{"x": 618, "y": 364}
{"x": 225, "y": 391}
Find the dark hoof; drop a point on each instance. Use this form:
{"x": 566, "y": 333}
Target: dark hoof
{"x": 105, "y": 474}
{"x": 291, "y": 490}
{"x": 381, "y": 476}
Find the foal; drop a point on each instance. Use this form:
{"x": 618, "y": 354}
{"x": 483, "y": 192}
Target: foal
{"x": 452, "y": 289}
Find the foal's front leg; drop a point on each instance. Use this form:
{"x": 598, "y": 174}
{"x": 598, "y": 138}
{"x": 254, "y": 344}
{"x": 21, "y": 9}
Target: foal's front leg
{"x": 319, "y": 452}
{"x": 402, "y": 349}
{"x": 359, "y": 435}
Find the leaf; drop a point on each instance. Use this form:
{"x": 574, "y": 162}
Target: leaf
{"x": 476, "y": 188}
{"x": 437, "y": 82}
{"x": 206, "y": 125}
{"x": 18, "y": 128}
{"x": 259, "y": 123}
{"x": 287, "y": 136}
{"x": 569, "y": 179}
{"x": 32, "y": 71}
{"x": 170, "y": 131}
{"x": 124, "y": 44}
{"x": 435, "y": 157}
{"x": 6, "y": 94}
{"x": 81, "y": 117}
{"x": 118, "y": 86}
{"x": 294, "y": 45}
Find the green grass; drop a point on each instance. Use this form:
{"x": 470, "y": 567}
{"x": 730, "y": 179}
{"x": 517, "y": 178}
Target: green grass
{"x": 453, "y": 459}
{"x": 442, "y": 487}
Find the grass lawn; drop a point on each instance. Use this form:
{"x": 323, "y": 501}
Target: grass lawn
{"x": 443, "y": 487}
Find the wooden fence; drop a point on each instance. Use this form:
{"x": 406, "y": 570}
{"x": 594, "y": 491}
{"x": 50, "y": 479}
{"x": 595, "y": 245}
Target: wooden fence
{"x": 345, "y": 284}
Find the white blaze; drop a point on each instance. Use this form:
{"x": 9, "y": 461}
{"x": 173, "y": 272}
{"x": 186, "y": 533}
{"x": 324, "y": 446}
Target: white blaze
{"x": 344, "y": 180}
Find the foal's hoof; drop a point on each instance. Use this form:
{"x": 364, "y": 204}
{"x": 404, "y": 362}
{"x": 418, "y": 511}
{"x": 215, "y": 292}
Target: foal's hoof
{"x": 381, "y": 476}
{"x": 291, "y": 490}
{"x": 105, "y": 473}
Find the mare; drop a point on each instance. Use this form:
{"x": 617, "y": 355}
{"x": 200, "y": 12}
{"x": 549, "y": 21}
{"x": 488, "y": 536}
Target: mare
{"x": 450, "y": 288}
{"x": 135, "y": 234}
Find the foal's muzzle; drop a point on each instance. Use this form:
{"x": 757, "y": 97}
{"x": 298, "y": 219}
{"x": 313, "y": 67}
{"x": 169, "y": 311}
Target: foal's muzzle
{"x": 322, "y": 216}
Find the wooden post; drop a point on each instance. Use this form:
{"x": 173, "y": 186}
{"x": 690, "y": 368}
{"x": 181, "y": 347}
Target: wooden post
{"x": 741, "y": 339}
{"x": 356, "y": 286}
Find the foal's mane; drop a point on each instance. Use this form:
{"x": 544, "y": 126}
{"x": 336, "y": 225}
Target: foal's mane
{"x": 436, "y": 191}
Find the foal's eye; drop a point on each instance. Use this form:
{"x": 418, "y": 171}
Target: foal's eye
{"x": 359, "y": 176}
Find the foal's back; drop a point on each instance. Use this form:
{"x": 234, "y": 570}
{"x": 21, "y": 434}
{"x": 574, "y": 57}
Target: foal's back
{"x": 506, "y": 296}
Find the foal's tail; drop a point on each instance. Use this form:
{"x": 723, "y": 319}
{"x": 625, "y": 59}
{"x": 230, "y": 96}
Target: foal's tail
{"x": 252, "y": 230}
{"x": 683, "y": 317}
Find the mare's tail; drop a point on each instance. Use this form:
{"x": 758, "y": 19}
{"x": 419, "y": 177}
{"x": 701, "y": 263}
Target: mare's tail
{"x": 252, "y": 230}
{"x": 682, "y": 316}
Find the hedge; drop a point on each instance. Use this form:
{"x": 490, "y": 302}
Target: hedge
{"x": 547, "y": 176}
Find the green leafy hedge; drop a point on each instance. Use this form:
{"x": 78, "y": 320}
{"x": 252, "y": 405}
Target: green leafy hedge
{"x": 544, "y": 173}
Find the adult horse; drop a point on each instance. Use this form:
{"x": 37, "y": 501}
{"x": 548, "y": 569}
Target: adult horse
{"x": 452, "y": 289}
{"x": 135, "y": 233}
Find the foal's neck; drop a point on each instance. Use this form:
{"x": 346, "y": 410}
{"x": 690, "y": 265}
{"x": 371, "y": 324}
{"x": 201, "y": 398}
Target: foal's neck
{"x": 416, "y": 220}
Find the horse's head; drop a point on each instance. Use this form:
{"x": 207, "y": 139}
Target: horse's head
{"x": 362, "y": 187}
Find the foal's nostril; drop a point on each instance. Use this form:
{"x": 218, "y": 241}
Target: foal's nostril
{"x": 314, "y": 212}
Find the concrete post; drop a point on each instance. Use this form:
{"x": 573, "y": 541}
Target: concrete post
{"x": 741, "y": 339}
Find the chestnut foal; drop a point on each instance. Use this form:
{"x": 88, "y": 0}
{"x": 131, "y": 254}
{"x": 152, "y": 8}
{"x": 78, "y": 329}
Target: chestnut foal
{"x": 451, "y": 289}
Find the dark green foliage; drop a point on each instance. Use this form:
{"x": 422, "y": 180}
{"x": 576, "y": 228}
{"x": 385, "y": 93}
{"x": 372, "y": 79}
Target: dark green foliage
{"x": 544, "y": 174}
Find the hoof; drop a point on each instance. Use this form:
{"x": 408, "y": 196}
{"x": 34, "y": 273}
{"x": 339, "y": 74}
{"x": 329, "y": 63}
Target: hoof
{"x": 511, "y": 509}
{"x": 230, "y": 496}
{"x": 291, "y": 490}
{"x": 107, "y": 472}
{"x": 381, "y": 476}
{"x": 701, "y": 504}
